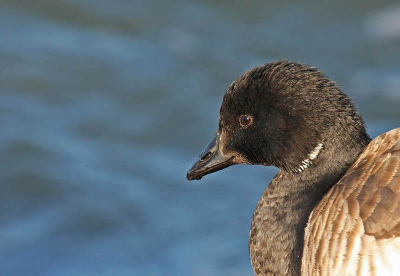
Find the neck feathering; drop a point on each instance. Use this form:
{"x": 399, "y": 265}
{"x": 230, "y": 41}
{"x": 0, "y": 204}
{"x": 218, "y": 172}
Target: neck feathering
{"x": 281, "y": 215}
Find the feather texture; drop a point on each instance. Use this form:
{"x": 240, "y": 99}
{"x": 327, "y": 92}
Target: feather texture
{"x": 355, "y": 228}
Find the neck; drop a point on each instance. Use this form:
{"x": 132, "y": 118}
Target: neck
{"x": 281, "y": 215}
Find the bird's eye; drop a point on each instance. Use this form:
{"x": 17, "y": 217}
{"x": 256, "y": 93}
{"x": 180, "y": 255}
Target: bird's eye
{"x": 245, "y": 120}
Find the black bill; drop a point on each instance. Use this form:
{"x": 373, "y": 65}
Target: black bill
{"x": 211, "y": 160}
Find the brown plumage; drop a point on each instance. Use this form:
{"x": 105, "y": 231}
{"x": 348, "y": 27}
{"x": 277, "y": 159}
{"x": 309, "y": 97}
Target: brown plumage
{"x": 348, "y": 230}
{"x": 334, "y": 206}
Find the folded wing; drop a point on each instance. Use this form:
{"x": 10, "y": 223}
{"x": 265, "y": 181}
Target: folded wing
{"x": 355, "y": 229}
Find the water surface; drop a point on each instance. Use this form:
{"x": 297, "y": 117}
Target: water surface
{"x": 105, "y": 105}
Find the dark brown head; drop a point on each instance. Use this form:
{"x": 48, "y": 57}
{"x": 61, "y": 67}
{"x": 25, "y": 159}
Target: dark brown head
{"x": 279, "y": 114}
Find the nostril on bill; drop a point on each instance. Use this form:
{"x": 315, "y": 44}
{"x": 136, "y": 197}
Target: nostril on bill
{"x": 205, "y": 157}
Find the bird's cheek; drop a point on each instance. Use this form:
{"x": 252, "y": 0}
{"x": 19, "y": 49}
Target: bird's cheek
{"x": 227, "y": 143}
{"x": 224, "y": 142}
{"x": 228, "y": 147}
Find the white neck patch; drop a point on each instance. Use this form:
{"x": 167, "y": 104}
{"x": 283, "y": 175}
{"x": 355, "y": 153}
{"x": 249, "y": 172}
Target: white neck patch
{"x": 311, "y": 156}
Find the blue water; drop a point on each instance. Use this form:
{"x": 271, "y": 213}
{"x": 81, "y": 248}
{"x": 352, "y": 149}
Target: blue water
{"x": 104, "y": 105}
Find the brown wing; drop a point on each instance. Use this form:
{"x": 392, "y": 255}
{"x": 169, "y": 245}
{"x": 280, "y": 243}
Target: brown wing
{"x": 344, "y": 230}
{"x": 377, "y": 188}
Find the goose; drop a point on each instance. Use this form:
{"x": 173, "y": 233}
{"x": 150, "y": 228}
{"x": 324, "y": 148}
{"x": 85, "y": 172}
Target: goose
{"x": 333, "y": 208}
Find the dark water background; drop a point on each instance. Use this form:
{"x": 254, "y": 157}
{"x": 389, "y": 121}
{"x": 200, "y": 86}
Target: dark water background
{"x": 104, "y": 105}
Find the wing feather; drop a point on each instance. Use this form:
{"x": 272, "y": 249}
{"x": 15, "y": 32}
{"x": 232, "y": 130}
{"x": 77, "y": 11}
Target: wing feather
{"x": 350, "y": 230}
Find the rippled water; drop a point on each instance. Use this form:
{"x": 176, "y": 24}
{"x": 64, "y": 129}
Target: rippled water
{"x": 105, "y": 105}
